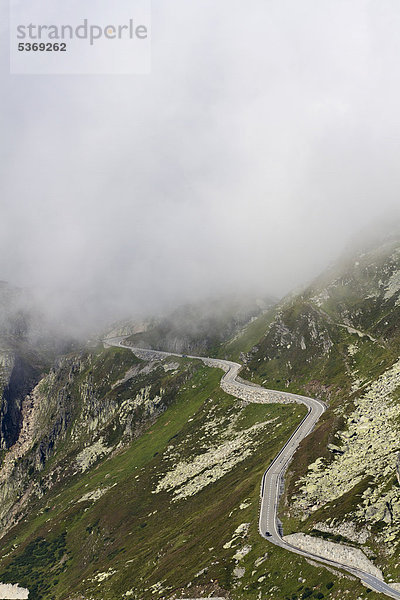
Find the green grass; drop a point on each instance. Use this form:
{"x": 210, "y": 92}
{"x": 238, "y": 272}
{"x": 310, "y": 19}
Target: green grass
{"x": 31, "y": 568}
{"x": 147, "y": 538}
{"x": 248, "y": 338}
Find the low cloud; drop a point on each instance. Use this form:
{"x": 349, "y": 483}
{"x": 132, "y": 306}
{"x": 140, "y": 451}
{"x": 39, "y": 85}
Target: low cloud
{"x": 263, "y": 140}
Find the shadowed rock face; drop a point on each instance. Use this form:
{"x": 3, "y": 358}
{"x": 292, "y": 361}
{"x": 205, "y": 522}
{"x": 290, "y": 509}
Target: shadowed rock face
{"x": 200, "y": 328}
{"x": 22, "y": 380}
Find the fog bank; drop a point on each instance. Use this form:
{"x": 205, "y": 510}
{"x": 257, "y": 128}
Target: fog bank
{"x": 263, "y": 140}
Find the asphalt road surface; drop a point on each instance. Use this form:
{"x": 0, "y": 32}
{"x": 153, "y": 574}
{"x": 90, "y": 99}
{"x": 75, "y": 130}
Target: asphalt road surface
{"x": 272, "y": 481}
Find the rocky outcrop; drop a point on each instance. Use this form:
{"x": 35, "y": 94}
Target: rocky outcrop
{"x": 19, "y": 378}
{"x": 368, "y": 448}
{"x": 13, "y": 592}
{"x": 187, "y": 478}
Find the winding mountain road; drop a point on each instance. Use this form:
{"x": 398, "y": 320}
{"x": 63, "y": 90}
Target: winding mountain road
{"x": 270, "y": 527}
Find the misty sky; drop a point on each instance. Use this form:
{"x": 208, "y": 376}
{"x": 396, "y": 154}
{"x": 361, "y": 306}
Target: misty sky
{"x": 266, "y": 136}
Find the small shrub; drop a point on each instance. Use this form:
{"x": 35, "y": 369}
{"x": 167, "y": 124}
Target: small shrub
{"x": 329, "y": 585}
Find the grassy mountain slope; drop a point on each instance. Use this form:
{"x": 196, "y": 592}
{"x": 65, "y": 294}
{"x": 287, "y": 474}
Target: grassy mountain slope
{"x": 141, "y": 479}
{"x": 339, "y": 340}
{"x": 164, "y": 507}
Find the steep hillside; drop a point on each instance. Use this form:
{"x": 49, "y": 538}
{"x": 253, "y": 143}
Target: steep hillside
{"x": 132, "y": 478}
{"x": 86, "y": 405}
{"x": 340, "y": 340}
{"x": 341, "y": 331}
{"x": 121, "y": 488}
{"x": 28, "y": 347}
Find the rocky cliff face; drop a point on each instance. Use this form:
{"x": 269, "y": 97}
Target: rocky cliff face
{"x": 27, "y": 348}
{"x": 19, "y": 378}
{"x": 81, "y": 411}
{"x": 200, "y": 328}
{"x": 6, "y": 368}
